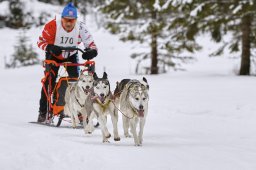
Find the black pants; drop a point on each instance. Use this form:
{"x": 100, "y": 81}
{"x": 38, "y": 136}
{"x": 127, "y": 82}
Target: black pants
{"x": 72, "y": 72}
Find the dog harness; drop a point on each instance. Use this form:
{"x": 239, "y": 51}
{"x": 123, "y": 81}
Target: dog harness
{"x": 79, "y": 103}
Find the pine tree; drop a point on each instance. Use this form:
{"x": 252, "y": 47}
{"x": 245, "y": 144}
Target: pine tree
{"x": 135, "y": 21}
{"x": 16, "y": 17}
{"x": 150, "y": 23}
{"x": 220, "y": 17}
{"x": 24, "y": 53}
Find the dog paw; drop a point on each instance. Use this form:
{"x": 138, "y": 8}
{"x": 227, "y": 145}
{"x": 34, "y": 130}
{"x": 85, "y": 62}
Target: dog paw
{"x": 137, "y": 144}
{"x": 127, "y": 135}
{"x": 108, "y": 136}
{"x": 105, "y": 141}
{"x": 140, "y": 141}
{"x": 87, "y": 132}
{"x": 117, "y": 139}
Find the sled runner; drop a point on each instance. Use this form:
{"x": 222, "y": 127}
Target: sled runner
{"x": 53, "y": 125}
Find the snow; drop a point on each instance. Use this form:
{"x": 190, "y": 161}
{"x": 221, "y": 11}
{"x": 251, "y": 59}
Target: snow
{"x": 165, "y": 6}
{"x": 4, "y": 8}
{"x": 196, "y": 10}
{"x": 203, "y": 118}
{"x": 33, "y": 6}
{"x": 156, "y": 5}
{"x": 199, "y": 119}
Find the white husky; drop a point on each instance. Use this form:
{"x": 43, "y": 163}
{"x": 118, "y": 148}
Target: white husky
{"x": 102, "y": 105}
{"x": 132, "y": 98}
{"x": 77, "y": 99}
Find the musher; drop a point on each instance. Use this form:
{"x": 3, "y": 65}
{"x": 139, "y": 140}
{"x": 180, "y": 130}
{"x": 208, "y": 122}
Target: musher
{"x": 64, "y": 31}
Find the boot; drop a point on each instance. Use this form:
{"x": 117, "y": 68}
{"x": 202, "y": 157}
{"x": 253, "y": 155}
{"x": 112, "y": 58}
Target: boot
{"x": 41, "y": 117}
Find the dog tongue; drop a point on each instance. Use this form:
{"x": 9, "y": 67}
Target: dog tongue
{"x": 141, "y": 113}
{"x": 102, "y": 99}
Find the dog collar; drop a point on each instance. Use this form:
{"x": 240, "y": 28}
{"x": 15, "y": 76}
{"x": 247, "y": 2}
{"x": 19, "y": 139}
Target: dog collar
{"x": 103, "y": 105}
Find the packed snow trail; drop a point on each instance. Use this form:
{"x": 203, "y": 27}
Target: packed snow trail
{"x": 197, "y": 120}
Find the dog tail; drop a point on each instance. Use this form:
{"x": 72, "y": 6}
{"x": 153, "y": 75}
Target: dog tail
{"x": 116, "y": 91}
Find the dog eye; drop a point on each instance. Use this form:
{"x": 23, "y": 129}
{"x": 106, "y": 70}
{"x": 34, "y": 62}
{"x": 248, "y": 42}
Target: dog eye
{"x": 90, "y": 81}
{"x": 83, "y": 80}
{"x": 105, "y": 87}
{"x": 137, "y": 98}
{"x": 144, "y": 98}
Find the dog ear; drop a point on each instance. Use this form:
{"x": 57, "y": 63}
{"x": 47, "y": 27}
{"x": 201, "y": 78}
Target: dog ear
{"x": 144, "y": 79}
{"x": 105, "y": 76}
{"x": 95, "y": 77}
{"x": 90, "y": 73}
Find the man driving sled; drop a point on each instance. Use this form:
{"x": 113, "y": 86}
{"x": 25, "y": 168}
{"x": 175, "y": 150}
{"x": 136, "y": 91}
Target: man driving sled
{"x": 64, "y": 32}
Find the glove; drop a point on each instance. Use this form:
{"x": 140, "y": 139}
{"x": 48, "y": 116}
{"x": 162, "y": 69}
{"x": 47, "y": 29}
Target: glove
{"x": 89, "y": 54}
{"x": 49, "y": 57}
{"x": 54, "y": 49}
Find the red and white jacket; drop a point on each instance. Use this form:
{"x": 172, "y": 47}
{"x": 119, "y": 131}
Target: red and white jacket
{"x": 54, "y": 33}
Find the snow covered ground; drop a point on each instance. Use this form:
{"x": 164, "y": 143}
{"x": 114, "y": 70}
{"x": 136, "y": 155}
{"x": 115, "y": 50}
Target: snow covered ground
{"x": 200, "y": 119}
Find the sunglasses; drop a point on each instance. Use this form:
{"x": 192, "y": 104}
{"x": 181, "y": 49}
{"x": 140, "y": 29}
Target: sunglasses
{"x": 69, "y": 20}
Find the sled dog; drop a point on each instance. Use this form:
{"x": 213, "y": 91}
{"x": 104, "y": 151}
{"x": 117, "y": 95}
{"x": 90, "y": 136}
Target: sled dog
{"x": 132, "y": 98}
{"x": 103, "y": 105}
{"x": 78, "y": 99}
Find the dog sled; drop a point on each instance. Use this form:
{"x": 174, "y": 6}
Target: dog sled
{"x": 56, "y": 95}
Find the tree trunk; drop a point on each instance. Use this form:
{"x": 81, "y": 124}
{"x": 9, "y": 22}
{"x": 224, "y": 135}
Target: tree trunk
{"x": 61, "y": 2}
{"x": 246, "y": 31}
{"x": 75, "y": 3}
{"x": 154, "y": 60}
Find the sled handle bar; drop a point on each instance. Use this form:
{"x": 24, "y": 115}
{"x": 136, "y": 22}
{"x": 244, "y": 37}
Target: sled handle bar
{"x": 86, "y": 63}
{"x": 72, "y": 49}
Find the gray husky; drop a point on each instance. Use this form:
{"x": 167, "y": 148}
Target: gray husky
{"x": 103, "y": 105}
{"x": 78, "y": 100}
{"x": 132, "y": 98}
